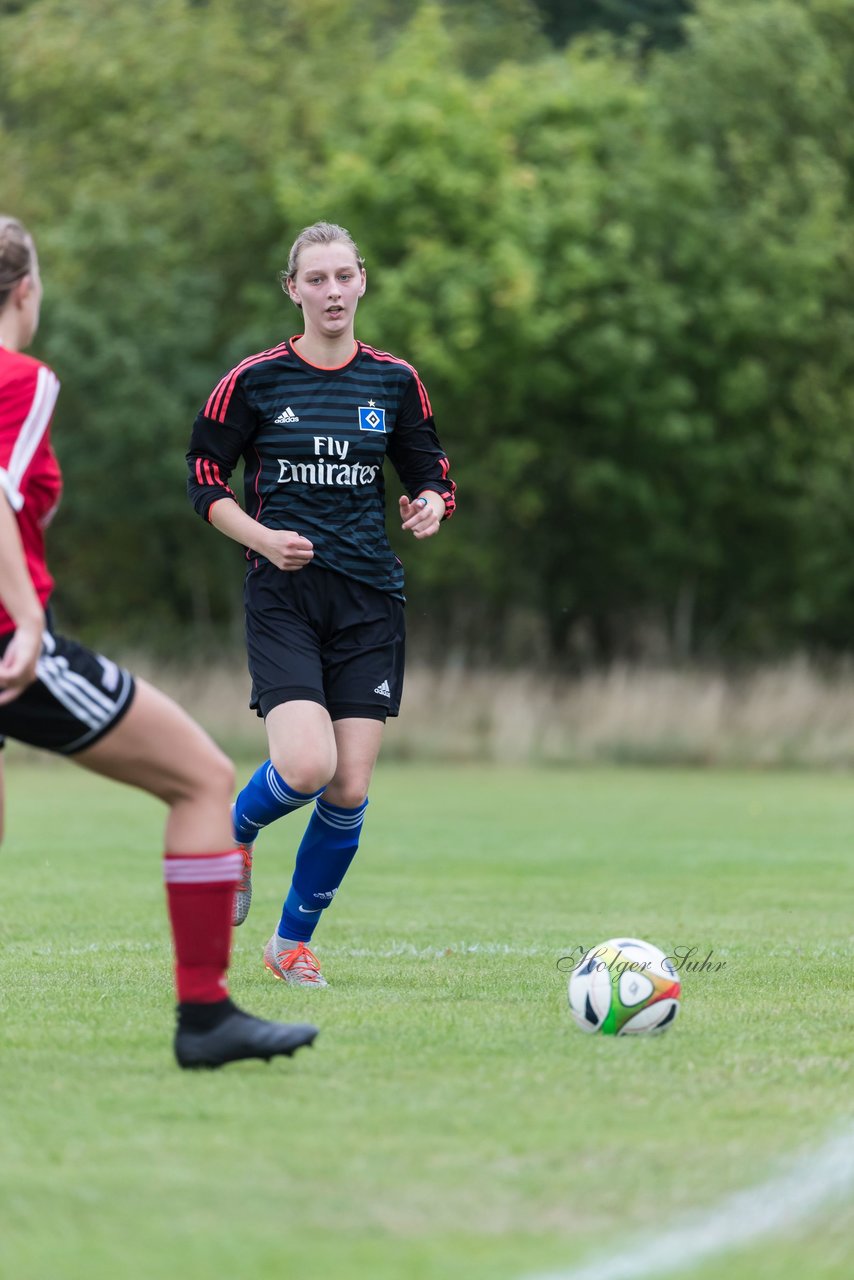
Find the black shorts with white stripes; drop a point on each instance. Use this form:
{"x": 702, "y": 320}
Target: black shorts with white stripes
{"x": 76, "y": 697}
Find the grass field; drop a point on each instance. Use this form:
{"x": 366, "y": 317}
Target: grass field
{"x": 451, "y": 1123}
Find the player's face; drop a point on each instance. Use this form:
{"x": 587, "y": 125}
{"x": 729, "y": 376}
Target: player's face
{"x": 328, "y": 283}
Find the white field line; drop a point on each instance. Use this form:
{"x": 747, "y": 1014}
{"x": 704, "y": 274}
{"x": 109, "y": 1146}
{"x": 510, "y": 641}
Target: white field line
{"x": 394, "y": 950}
{"x": 776, "y": 1206}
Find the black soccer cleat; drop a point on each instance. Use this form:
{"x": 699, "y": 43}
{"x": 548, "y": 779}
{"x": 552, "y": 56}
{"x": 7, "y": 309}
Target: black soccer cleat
{"x": 239, "y": 1036}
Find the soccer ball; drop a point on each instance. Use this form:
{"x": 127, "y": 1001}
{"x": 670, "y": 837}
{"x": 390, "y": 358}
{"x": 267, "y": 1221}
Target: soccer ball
{"x": 624, "y": 987}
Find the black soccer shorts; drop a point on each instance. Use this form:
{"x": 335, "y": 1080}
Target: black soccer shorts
{"x": 318, "y": 636}
{"x": 76, "y": 697}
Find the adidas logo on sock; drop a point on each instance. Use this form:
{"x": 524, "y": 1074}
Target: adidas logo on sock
{"x": 287, "y": 415}
{"x": 383, "y": 689}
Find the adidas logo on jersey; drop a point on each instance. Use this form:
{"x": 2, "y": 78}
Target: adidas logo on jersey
{"x": 287, "y": 415}
{"x": 383, "y": 689}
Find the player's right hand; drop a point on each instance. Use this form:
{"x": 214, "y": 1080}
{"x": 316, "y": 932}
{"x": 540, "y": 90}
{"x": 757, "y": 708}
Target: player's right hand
{"x": 286, "y": 549}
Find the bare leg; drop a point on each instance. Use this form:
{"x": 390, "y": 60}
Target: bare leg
{"x": 160, "y": 749}
{"x": 358, "y": 744}
{"x": 309, "y": 751}
{"x": 302, "y": 743}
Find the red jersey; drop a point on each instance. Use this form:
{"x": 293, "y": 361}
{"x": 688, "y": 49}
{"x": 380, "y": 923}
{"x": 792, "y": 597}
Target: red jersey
{"x": 29, "y": 472}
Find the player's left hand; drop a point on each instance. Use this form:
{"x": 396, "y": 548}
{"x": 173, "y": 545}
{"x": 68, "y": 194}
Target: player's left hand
{"x": 422, "y": 516}
{"x": 18, "y": 664}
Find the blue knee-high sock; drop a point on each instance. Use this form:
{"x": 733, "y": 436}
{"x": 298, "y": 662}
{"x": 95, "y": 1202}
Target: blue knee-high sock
{"x": 265, "y": 798}
{"x": 326, "y": 851}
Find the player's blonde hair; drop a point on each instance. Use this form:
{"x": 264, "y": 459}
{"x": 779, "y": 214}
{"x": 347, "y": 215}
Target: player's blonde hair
{"x": 317, "y": 233}
{"x": 16, "y": 255}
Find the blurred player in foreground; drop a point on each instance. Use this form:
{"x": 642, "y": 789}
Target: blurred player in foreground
{"x": 314, "y": 419}
{"x": 60, "y": 696}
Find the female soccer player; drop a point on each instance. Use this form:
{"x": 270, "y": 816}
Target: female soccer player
{"x": 56, "y": 694}
{"x": 314, "y": 419}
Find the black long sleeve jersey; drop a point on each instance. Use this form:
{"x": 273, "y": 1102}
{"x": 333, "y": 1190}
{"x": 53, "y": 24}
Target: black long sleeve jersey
{"x": 313, "y": 442}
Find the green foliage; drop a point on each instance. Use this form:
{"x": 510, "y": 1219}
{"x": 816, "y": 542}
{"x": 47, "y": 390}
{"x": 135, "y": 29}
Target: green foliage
{"x": 624, "y": 277}
{"x": 661, "y": 21}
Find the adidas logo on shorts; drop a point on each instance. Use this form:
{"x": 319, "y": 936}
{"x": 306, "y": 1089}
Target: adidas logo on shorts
{"x": 287, "y": 415}
{"x": 383, "y": 689}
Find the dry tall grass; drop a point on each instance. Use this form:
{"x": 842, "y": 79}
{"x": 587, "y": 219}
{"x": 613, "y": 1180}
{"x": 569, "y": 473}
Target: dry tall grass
{"x": 786, "y": 715}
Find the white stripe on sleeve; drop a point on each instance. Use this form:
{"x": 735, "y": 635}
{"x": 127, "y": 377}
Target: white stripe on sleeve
{"x": 34, "y": 426}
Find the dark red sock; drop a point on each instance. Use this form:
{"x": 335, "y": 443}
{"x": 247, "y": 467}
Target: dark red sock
{"x": 200, "y": 893}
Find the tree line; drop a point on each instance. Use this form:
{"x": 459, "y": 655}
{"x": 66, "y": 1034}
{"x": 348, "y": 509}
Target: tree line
{"x": 621, "y": 260}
